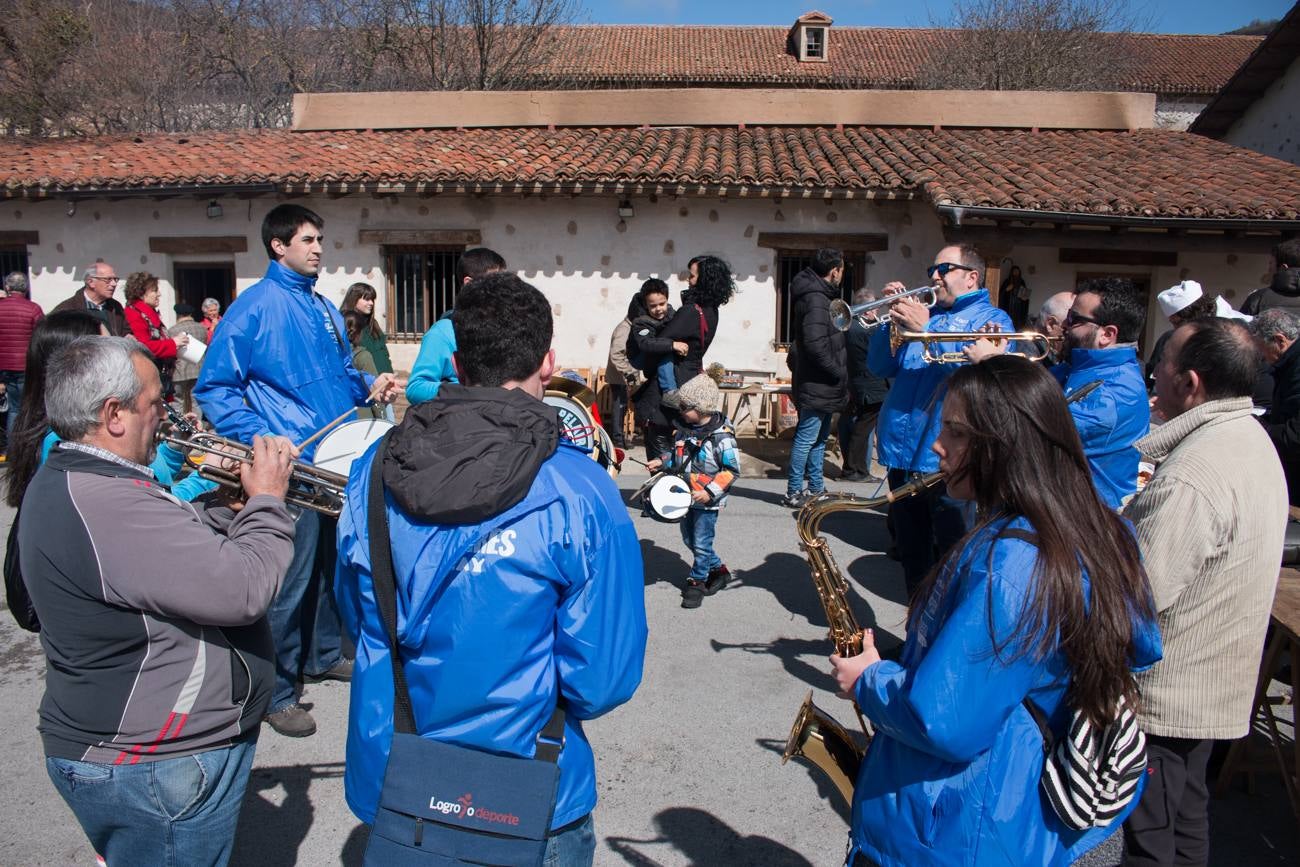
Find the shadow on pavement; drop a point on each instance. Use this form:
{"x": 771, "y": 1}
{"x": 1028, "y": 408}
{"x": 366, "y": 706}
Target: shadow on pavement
{"x": 663, "y": 564}
{"x": 827, "y": 793}
{"x": 793, "y": 653}
{"x": 270, "y": 834}
{"x": 702, "y": 838}
{"x": 788, "y": 577}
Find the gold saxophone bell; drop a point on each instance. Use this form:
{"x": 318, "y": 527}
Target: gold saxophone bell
{"x": 1041, "y": 344}
{"x": 817, "y": 737}
{"x": 309, "y": 487}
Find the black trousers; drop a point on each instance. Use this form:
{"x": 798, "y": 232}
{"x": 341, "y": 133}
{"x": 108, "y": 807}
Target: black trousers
{"x": 617, "y": 409}
{"x": 658, "y": 441}
{"x": 926, "y": 525}
{"x": 1171, "y": 825}
{"x": 856, "y": 423}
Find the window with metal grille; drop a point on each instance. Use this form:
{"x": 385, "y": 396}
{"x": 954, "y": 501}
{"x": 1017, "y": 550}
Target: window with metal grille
{"x": 421, "y": 288}
{"x": 14, "y": 259}
{"x": 790, "y": 263}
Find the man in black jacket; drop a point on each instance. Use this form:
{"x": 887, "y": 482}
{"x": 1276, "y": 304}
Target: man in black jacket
{"x": 817, "y": 360}
{"x": 1277, "y": 334}
{"x": 866, "y": 393}
{"x": 1283, "y": 289}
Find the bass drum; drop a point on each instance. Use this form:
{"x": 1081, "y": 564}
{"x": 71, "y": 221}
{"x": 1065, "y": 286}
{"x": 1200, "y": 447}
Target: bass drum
{"x": 574, "y": 402}
{"x": 347, "y": 442}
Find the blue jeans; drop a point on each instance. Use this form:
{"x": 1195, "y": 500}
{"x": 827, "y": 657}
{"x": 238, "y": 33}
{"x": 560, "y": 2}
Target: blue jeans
{"x": 170, "y": 812}
{"x": 808, "y": 451}
{"x": 304, "y": 617}
{"x": 667, "y": 376}
{"x": 13, "y": 381}
{"x": 575, "y": 847}
{"x": 698, "y": 528}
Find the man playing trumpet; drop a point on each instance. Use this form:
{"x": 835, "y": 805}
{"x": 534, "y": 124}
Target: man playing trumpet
{"x": 926, "y": 525}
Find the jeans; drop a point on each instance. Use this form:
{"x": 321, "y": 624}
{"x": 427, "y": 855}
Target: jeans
{"x": 808, "y": 452}
{"x": 304, "y": 617}
{"x": 667, "y": 376}
{"x": 856, "y": 423}
{"x": 926, "y": 526}
{"x": 170, "y": 812}
{"x": 575, "y": 847}
{"x": 13, "y": 381}
{"x": 698, "y": 529}
{"x": 1171, "y": 824}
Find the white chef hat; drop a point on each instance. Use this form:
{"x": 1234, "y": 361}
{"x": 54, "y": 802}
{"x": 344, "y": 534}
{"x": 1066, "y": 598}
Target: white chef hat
{"x": 1177, "y": 298}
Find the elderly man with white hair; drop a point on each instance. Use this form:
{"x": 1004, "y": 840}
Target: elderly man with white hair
{"x": 1276, "y": 333}
{"x": 159, "y": 663}
{"x": 99, "y": 282}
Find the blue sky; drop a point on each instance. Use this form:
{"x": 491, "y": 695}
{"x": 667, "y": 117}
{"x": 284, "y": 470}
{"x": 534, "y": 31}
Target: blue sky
{"x": 1166, "y": 16}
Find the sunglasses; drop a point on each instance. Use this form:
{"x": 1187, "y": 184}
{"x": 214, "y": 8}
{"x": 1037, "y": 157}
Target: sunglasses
{"x": 943, "y": 269}
{"x": 1072, "y": 319}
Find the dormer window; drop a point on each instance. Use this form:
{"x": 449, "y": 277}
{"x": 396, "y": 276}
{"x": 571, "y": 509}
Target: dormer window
{"x": 808, "y": 37}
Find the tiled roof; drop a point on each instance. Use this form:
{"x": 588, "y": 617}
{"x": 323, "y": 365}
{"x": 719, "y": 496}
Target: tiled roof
{"x": 1149, "y": 173}
{"x": 858, "y": 57}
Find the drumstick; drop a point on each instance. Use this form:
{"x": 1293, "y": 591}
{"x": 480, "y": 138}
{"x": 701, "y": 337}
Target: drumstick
{"x": 326, "y": 429}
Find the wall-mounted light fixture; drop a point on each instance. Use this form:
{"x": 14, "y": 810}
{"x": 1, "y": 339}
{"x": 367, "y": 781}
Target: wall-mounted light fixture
{"x": 625, "y": 209}
{"x": 214, "y": 210}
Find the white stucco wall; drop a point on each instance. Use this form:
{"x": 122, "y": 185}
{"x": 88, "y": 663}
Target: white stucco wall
{"x": 570, "y": 248}
{"x": 1272, "y": 124}
{"x": 1178, "y": 112}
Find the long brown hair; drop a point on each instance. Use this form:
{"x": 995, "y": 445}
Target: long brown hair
{"x": 1025, "y": 458}
{"x": 355, "y": 293}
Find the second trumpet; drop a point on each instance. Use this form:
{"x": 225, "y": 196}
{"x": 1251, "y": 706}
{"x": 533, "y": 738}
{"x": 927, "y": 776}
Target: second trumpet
{"x": 1032, "y": 345}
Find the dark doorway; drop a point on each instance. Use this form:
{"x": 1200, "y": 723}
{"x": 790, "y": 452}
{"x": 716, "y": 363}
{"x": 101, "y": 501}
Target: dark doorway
{"x": 14, "y": 259}
{"x": 198, "y": 280}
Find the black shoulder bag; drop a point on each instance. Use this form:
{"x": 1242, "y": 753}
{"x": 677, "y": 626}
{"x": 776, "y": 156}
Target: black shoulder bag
{"x": 443, "y": 804}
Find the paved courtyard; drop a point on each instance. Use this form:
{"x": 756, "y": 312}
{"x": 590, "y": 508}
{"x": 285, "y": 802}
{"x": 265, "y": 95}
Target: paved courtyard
{"x": 689, "y": 771}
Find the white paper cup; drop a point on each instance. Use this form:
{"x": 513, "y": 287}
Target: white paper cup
{"x": 193, "y": 351}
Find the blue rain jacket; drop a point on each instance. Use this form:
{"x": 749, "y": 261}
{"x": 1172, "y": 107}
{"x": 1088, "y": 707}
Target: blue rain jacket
{"x": 909, "y": 418}
{"x": 952, "y": 775}
{"x": 493, "y": 618}
{"x": 433, "y": 365}
{"x": 274, "y": 367}
{"x": 1112, "y": 417}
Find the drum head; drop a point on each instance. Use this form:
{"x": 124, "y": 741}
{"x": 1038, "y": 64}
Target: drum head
{"x": 347, "y": 442}
{"x": 576, "y": 424}
{"x": 669, "y": 499}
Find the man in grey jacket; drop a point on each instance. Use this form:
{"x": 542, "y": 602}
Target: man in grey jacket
{"x": 1210, "y": 525}
{"x": 152, "y": 616}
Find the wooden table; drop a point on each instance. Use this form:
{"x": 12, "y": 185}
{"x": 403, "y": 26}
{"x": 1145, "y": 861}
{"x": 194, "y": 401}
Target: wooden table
{"x": 751, "y": 403}
{"x": 1285, "y": 644}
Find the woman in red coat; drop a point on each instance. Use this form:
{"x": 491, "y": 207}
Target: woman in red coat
{"x": 142, "y": 296}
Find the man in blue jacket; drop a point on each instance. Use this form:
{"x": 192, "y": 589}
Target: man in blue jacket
{"x": 281, "y": 364}
{"x": 433, "y": 366}
{"x": 519, "y": 574}
{"x": 1101, "y": 333}
{"x": 927, "y": 524}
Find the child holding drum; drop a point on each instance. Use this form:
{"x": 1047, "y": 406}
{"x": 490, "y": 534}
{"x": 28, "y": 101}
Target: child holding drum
{"x": 704, "y": 452}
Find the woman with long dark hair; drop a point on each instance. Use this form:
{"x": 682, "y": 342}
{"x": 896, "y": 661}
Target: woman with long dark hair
{"x": 33, "y": 438}
{"x": 1045, "y": 600}
{"x": 360, "y": 300}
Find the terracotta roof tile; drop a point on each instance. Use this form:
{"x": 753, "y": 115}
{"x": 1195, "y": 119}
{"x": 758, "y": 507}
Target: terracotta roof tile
{"x": 1144, "y": 173}
{"x": 858, "y": 57}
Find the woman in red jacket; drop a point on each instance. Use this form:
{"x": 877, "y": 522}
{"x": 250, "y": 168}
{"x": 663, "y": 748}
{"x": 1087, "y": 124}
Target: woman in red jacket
{"x": 142, "y": 296}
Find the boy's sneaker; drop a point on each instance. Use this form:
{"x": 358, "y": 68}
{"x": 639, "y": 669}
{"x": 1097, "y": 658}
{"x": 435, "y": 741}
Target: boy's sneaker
{"x": 794, "y": 501}
{"x": 670, "y": 399}
{"x": 693, "y": 595}
{"x": 718, "y": 579}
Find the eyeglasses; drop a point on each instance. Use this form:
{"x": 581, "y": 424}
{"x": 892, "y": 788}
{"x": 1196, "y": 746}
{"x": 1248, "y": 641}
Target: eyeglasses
{"x": 1072, "y": 319}
{"x": 112, "y": 278}
{"x": 944, "y": 268}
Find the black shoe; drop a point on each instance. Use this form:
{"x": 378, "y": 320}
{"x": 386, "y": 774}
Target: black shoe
{"x": 341, "y": 670}
{"x": 794, "y": 501}
{"x": 854, "y": 476}
{"x": 292, "y": 721}
{"x": 693, "y": 595}
{"x": 718, "y": 579}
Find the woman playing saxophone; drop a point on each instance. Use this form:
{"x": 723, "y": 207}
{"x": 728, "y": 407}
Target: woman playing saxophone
{"x": 1045, "y": 599}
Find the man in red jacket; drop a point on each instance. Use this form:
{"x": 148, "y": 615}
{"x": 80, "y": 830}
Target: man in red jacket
{"x": 18, "y": 319}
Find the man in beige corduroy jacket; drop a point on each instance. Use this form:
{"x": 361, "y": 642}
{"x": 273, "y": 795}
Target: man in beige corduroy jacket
{"x": 1210, "y": 525}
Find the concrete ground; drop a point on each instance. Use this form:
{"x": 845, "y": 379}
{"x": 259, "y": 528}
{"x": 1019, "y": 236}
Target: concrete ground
{"x": 689, "y": 771}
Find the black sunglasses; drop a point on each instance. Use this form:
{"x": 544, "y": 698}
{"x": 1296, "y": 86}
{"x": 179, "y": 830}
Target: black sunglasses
{"x": 944, "y": 268}
{"x": 1072, "y": 319}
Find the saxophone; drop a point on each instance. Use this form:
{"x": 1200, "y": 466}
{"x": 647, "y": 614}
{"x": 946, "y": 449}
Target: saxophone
{"x": 815, "y": 735}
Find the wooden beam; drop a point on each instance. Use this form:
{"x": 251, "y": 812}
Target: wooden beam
{"x": 1094, "y": 256}
{"x": 858, "y": 242}
{"x": 12, "y": 238}
{"x": 434, "y": 237}
{"x": 982, "y": 236}
{"x": 187, "y": 244}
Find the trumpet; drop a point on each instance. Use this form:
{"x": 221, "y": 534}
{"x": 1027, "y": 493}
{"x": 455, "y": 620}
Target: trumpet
{"x": 842, "y": 315}
{"x": 1039, "y": 346}
{"x": 309, "y": 487}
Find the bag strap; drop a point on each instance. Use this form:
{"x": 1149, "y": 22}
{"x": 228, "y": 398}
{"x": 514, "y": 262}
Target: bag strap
{"x": 1040, "y": 718}
{"x": 550, "y": 740}
{"x": 704, "y": 326}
